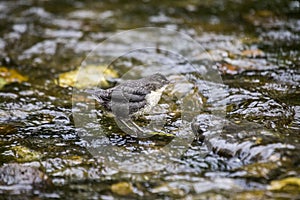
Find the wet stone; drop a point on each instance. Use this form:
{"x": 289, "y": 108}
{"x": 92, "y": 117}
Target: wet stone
{"x": 253, "y": 152}
{"x": 258, "y": 107}
{"x": 18, "y": 174}
{"x": 249, "y": 142}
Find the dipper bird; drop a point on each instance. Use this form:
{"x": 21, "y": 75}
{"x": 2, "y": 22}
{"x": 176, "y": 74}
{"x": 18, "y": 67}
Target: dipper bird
{"x": 138, "y": 95}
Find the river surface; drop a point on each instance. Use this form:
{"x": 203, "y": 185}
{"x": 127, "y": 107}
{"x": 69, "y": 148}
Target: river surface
{"x": 243, "y": 85}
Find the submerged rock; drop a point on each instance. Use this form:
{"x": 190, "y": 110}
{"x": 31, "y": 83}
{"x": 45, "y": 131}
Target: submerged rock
{"x": 243, "y": 140}
{"x": 257, "y": 107}
{"x": 18, "y": 174}
{"x": 122, "y": 188}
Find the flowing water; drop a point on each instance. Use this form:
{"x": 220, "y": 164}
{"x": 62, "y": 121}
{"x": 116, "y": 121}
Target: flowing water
{"x": 248, "y": 108}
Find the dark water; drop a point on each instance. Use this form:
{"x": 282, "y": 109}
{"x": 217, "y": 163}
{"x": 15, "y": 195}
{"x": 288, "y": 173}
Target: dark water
{"x": 255, "y": 48}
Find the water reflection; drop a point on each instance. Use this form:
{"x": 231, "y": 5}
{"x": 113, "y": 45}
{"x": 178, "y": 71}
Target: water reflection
{"x": 254, "y": 45}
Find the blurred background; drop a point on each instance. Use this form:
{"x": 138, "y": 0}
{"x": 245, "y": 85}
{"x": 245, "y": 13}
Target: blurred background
{"x": 255, "y": 46}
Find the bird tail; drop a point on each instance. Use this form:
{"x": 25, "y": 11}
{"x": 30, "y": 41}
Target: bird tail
{"x": 101, "y": 96}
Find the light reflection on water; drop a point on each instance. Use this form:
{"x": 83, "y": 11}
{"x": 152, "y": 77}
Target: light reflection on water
{"x": 261, "y": 98}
